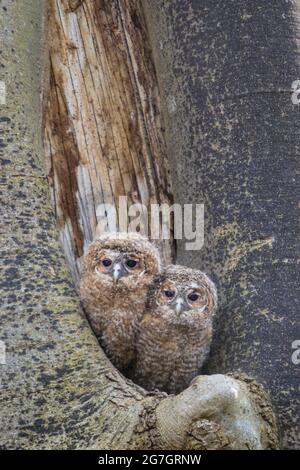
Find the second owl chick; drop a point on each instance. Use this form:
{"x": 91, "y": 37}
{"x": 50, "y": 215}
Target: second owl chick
{"x": 119, "y": 267}
{"x": 176, "y": 330}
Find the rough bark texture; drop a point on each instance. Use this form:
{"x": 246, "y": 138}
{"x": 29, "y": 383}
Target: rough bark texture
{"x": 102, "y": 132}
{"x": 57, "y": 389}
{"x": 225, "y": 72}
{"x": 55, "y": 374}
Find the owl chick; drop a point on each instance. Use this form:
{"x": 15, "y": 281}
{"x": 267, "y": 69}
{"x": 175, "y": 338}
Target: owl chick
{"x": 176, "y": 330}
{"x": 118, "y": 269}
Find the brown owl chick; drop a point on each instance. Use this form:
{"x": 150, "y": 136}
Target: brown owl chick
{"x": 118, "y": 269}
{"x": 176, "y": 330}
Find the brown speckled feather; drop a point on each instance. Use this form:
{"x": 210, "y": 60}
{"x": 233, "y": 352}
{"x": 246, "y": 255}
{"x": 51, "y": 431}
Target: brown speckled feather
{"x": 171, "y": 348}
{"x": 114, "y": 309}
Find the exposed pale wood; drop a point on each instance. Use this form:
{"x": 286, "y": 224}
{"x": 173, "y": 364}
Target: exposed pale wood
{"x": 57, "y": 389}
{"x": 102, "y": 131}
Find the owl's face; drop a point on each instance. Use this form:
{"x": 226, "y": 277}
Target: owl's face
{"x": 117, "y": 264}
{"x": 184, "y": 296}
{"x": 122, "y": 260}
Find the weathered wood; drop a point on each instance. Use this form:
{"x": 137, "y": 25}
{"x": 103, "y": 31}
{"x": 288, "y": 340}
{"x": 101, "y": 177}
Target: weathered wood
{"x": 102, "y": 124}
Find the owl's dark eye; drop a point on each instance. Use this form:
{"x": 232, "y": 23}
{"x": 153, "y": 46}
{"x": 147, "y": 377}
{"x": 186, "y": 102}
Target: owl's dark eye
{"x": 131, "y": 263}
{"x": 193, "y": 297}
{"x": 169, "y": 293}
{"x": 106, "y": 262}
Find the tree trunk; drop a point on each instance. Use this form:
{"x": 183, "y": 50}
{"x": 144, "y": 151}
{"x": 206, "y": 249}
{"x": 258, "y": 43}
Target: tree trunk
{"x": 58, "y": 390}
{"x": 226, "y": 71}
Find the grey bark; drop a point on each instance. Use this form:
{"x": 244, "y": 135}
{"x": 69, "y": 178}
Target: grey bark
{"x": 225, "y": 71}
{"x": 57, "y": 389}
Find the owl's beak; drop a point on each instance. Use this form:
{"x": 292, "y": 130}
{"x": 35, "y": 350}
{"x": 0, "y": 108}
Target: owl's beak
{"x": 117, "y": 272}
{"x": 179, "y": 305}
